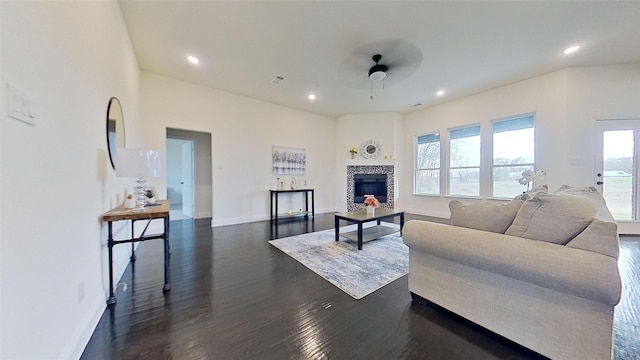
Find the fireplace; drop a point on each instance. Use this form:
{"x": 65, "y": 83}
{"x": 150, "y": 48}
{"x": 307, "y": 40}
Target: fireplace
{"x": 374, "y": 180}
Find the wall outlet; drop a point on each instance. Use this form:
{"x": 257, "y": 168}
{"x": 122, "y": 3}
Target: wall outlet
{"x": 21, "y": 107}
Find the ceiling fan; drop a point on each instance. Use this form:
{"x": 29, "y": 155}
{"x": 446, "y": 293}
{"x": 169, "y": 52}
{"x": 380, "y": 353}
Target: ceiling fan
{"x": 378, "y": 72}
{"x": 395, "y": 61}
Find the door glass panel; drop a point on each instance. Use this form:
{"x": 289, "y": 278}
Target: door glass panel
{"x": 618, "y": 150}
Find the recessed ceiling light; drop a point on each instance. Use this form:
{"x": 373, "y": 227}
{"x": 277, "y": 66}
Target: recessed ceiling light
{"x": 193, "y": 59}
{"x": 312, "y": 96}
{"x": 572, "y": 49}
{"x": 439, "y": 92}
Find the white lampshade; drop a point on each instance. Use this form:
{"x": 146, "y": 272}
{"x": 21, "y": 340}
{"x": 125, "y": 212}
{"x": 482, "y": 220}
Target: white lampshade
{"x": 141, "y": 163}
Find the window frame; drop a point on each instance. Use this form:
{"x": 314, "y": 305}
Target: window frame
{"x": 486, "y": 165}
{"x": 449, "y": 168}
{"x": 417, "y": 169}
{"x": 493, "y": 166}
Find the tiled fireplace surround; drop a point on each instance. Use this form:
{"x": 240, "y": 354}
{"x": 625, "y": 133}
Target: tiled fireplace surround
{"x": 374, "y": 169}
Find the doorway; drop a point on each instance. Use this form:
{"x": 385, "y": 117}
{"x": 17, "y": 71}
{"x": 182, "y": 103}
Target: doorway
{"x": 189, "y": 176}
{"x": 180, "y": 178}
{"x": 617, "y": 171}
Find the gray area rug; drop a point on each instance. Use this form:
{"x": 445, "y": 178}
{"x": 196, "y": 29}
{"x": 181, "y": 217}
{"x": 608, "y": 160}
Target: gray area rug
{"x": 356, "y": 272}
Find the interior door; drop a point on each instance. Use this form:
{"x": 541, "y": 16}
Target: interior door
{"x": 617, "y": 170}
{"x": 187, "y": 178}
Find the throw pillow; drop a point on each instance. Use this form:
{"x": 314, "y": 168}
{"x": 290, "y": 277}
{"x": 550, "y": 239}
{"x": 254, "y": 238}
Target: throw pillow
{"x": 494, "y": 217}
{"x": 553, "y": 218}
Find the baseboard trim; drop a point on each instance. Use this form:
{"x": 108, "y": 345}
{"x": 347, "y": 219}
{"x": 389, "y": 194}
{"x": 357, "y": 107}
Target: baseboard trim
{"x": 78, "y": 342}
{"x": 243, "y": 220}
{"x": 204, "y": 215}
{"x": 431, "y": 213}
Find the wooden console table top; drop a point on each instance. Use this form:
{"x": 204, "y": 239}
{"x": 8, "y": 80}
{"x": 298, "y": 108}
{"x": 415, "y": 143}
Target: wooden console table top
{"x": 151, "y": 212}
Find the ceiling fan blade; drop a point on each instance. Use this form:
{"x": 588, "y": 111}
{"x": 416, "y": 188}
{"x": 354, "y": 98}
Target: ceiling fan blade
{"x": 353, "y": 71}
{"x": 402, "y": 58}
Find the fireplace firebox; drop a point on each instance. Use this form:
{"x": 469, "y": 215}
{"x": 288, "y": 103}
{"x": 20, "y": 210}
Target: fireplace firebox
{"x": 370, "y": 184}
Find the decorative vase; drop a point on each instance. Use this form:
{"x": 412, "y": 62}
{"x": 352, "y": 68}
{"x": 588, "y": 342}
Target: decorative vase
{"x": 130, "y": 203}
{"x": 370, "y": 209}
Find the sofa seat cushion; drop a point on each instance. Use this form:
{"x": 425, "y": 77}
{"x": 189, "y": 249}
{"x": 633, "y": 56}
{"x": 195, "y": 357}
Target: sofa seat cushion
{"x": 494, "y": 217}
{"x": 554, "y": 218}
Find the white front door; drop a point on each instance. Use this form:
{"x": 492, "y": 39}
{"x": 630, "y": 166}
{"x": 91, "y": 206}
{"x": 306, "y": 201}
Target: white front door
{"x": 617, "y": 170}
{"x": 187, "y": 178}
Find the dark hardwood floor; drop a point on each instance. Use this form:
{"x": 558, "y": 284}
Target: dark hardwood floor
{"x": 234, "y": 296}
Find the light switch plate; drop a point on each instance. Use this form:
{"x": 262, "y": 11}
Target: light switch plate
{"x": 21, "y": 106}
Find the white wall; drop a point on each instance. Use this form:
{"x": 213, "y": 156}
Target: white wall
{"x": 597, "y": 92}
{"x": 566, "y": 102}
{"x": 353, "y": 130}
{"x": 70, "y": 57}
{"x": 545, "y": 95}
{"x": 243, "y": 131}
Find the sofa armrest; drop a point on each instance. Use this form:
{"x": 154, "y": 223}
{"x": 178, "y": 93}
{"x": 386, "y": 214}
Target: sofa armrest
{"x": 583, "y": 273}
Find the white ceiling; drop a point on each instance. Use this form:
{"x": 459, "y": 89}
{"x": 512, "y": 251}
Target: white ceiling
{"x": 466, "y": 47}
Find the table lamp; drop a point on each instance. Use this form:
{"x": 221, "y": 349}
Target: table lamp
{"x": 141, "y": 164}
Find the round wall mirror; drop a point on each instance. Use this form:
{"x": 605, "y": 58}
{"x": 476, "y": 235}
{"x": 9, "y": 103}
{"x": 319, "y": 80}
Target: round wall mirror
{"x": 115, "y": 129}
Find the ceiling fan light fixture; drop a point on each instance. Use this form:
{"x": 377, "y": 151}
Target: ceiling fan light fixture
{"x": 377, "y": 75}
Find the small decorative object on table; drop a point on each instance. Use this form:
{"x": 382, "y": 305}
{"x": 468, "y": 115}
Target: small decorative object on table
{"x": 353, "y": 151}
{"x": 371, "y": 203}
{"x": 130, "y": 202}
{"x": 151, "y": 199}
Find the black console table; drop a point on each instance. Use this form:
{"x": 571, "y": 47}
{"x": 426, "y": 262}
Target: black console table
{"x": 274, "y": 211}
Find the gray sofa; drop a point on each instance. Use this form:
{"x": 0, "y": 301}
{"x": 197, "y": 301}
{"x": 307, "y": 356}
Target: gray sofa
{"x": 541, "y": 272}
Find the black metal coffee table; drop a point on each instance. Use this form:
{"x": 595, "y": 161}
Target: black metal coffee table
{"x": 370, "y": 233}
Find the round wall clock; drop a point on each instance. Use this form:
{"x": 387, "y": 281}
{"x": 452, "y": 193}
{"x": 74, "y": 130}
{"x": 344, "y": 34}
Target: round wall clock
{"x": 370, "y": 149}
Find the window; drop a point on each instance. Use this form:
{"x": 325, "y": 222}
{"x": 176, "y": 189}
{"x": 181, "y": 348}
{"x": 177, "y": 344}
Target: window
{"x": 513, "y": 153}
{"x": 427, "y": 174}
{"x": 457, "y": 165}
{"x": 464, "y": 161}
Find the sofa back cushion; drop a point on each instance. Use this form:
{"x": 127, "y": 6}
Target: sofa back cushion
{"x": 554, "y": 218}
{"x": 591, "y": 194}
{"x": 494, "y": 217}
